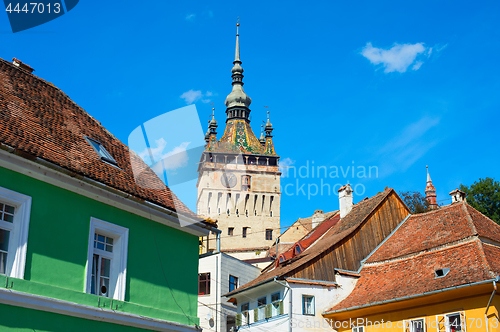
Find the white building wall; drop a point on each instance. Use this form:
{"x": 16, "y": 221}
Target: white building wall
{"x": 214, "y": 309}
{"x": 324, "y": 298}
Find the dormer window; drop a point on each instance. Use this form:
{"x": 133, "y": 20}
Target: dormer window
{"x": 100, "y": 150}
{"x": 439, "y": 273}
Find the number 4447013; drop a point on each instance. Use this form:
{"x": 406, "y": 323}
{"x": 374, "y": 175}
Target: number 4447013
{"x": 36, "y": 8}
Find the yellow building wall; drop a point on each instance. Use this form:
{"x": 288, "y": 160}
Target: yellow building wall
{"x": 473, "y": 307}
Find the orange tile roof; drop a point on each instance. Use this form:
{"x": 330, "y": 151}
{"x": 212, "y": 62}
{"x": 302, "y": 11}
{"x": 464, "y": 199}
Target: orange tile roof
{"x": 404, "y": 264}
{"x": 415, "y": 275}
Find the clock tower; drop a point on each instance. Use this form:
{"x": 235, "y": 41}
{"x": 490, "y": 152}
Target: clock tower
{"x": 239, "y": 178}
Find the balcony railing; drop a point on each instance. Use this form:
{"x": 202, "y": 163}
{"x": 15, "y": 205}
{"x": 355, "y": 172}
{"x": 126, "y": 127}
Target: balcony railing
{"x": 260, "y": 313}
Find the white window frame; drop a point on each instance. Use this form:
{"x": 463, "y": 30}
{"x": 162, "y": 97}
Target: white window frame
{"x": 445, "y": 321}
{"x": 118, "y": 273}
{"x": 409, "y": 324}
{"x": 18, "y": 237}
{"x": 360, "y": 328}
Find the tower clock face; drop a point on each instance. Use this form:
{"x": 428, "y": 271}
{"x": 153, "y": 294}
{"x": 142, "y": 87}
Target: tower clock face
{"x": 228, "y": 180}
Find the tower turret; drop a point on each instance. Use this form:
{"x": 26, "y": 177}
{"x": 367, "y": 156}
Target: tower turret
{"x": 430, "y": 192}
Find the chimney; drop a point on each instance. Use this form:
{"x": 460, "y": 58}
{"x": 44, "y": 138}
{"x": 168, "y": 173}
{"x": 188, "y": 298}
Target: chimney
{"x": 457, "y": 196}
{"x": 317, "y": 218}
{"x": 20, "y": 64}
{"x": 345, "y": 200}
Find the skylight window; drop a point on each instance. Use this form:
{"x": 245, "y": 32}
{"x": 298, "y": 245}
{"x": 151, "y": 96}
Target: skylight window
{"x": 101, "y": 151}
{"x": 439, "y": 273}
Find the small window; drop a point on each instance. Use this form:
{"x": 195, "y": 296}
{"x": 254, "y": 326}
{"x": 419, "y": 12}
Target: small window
{"x": 107, "y": 260}
{"x": 275, "y": 301}
{"x": 204, "y": 284}
{"x": 244, "y": 314}
{"x": 101, "y": 151}
{"x": 233, "y": 283}
{"x": 439, "y": 273}
{"x": 297, "y": 249}
{"x": 269, "y": 234}
{"x": 417, "y": 325}
{"x": 15, "y": 211}
{"x": 6, "y": 227}
{"x": 358, "y": 329}
{"x": 245, "y": 230}
{"x": 245, "y": 182}
{"x": 101, "y": 265}
{"x": 230, "y": 231}
{"x": 261, "y": 308}
{"x": 307, "y": 305}
{"x": 455, "y": 322}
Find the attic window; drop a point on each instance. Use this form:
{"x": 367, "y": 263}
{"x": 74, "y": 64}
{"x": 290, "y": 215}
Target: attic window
{"x": 101, "y": 151}
{"x": 439, "y": 273}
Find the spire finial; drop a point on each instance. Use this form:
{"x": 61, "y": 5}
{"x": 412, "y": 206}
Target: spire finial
{"x": 237, "y": 52}
{"x": 269, "y": 126}
{"x": 238, "y": 97}
{"x": 262, "y": 139}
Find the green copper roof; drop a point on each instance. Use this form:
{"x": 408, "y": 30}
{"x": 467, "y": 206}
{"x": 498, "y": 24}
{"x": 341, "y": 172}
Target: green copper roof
{"x": 239, "y": 138}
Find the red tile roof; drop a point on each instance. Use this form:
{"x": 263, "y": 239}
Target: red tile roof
{"x": 333, "y": 235}
{"x": 39, "y": 120}
{"x": 432, "y": 229}
{"x": 404, "y": 265}
{"x": 415, "y": 275}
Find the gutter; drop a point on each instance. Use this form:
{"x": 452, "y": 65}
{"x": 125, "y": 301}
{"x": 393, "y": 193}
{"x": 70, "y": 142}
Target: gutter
{"x": 408, "y": 297}
{"x": 253, "y": 286}
{"x": 497, "y": 279}
{"x": 289, "y": 300}
{"x": 169, "y": 214}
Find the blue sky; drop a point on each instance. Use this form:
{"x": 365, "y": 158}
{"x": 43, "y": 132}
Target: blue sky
{"x": 391, "y": 85}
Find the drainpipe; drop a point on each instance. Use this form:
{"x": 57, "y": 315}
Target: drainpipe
{"x": 497, "y": 279}
{"x": 217, "y": 238}
{"x": 290, "y": 303}
{"x": 217, "y": 316}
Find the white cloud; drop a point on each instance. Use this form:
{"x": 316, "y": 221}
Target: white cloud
{"x": 417, "y": 65}
{"x": 171, "y": 160}
{"x": 176, "y": 158}
{"x": 284, "y": 166}
{"x": 397, "y": 58}
{"x": 192, "y": 96}
{"x": 190, "y": 17}
{"x": 154, "y": 152}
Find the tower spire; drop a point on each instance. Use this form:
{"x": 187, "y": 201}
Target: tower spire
{"x": 262, "y": 139}
{"x": 237, "y": 102}
{"x": 269, "y": 127}
{"x": 430, "y": 192}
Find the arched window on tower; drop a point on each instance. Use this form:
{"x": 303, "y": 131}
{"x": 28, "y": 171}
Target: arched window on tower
{"x": 245, "y": 182}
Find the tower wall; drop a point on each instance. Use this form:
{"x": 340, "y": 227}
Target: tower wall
{"x": 257, "y": 208}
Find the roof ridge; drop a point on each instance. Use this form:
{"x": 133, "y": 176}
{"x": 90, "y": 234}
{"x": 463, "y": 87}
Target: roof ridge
{"x": 469, "y": 218}
{"x": 444, "y": 246}
{"x": 483, "y": 256}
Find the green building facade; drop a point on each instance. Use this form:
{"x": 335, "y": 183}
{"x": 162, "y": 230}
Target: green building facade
{"x": 83, "y": 245}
